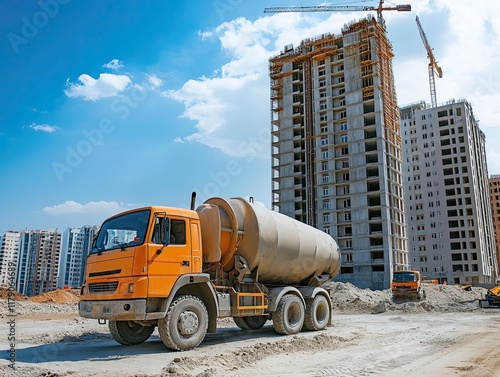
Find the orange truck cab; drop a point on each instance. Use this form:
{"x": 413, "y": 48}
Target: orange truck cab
{"x": 407, "y": 284}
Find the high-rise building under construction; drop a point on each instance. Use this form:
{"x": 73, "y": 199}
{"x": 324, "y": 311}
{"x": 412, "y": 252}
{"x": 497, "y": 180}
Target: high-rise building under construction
{"x": 336, "y": 147}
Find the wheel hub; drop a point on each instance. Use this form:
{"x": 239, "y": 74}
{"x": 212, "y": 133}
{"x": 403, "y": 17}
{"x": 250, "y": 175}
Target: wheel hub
{"x": 188, "y": 323}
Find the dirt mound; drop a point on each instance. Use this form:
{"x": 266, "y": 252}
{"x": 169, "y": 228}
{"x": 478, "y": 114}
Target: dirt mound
{"x": 347, "y": 298}
{"x": 4, "y": 294}
{"x": 59, "y": 296}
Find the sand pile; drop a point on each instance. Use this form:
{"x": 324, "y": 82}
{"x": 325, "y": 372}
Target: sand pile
{"x": 4, "y": 294}
{"x": 59, "y": 296}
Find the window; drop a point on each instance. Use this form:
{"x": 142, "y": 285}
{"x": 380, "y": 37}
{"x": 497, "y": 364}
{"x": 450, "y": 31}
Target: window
{"x": 324, "y": 153}
{"x": 326, "y": 204}
{"x": 324, "y": 140}
{"x": 324, "y": 166}
{"x": 343, "y": 139}
{"x": 326, "y": 218}
{"x": 325, "y": 178}
{"x": 326, "y": 191}
{"x": 343, "y": 127}
{"x": 178, "y": 232}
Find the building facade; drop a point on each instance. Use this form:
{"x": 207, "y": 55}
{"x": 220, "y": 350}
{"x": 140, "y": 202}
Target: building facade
{"x": 38, "y": 261}
{"x": 336, "y": 148}
{"x": 76, "y": 245}
{"x": 8, "y": 256}
{"x": 495, "y": 210}
{"x": 450, "y": 228}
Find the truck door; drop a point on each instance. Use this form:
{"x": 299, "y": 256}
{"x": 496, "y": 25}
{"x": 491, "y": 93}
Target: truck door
{"x": 168, "y": 262}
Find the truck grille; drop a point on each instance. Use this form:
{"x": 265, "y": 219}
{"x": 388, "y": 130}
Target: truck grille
{"x": 103, "y": 287}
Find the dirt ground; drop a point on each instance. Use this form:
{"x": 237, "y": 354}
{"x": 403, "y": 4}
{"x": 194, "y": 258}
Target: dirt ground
{"x": 446, "y": 334}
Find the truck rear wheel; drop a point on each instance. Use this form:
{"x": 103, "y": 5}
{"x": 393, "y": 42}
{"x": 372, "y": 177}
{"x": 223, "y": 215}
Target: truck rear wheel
{"x": 129, "y": 333}
{"x": 289, "y": 315}
{"x": 317, "y": 313}
{"x": 185, "y": 325}
{"x": 250, "y": 323}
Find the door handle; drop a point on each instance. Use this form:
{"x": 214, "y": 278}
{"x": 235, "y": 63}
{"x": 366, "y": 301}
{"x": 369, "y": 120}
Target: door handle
{"x": 185, "y": 263}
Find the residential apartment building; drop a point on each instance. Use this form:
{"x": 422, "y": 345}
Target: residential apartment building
{"x": 9, "y": 247}
{"x": 336, "y": 148}
{"x": 495, "y": 210}
{"x": 450, "y": 228}
{"x": 38, "y": 261}
{"x": 76, "y": 245}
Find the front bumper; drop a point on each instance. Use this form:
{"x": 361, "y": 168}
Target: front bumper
{"x": 117, "y": 310}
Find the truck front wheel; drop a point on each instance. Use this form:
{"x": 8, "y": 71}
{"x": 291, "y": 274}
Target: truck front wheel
{"x": 185, "y": 325}
{"x": 129, "y": 333}
{"x": 317, "y": 313}
{"x": 289, "y": 315}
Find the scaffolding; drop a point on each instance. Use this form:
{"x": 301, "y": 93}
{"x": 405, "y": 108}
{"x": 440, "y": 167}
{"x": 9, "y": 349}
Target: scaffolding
{"x": 366, "y": 44}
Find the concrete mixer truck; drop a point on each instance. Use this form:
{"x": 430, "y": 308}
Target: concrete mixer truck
{"x": 180, "y": 270}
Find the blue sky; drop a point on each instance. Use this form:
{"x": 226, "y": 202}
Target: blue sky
{"x": 109, "y": 105}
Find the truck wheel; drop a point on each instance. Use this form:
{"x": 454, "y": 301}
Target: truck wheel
{"x": 254, "y": 322}
{"x": 289, "y": 315}
{"x": 317, "y": 313}
{"x": 185, "y": 325}
{"x": 129, "y": 333}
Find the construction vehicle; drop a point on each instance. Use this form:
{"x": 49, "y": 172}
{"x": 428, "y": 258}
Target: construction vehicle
{"x": 407, "y": 285}
{"x": 180, "y": 270}
{"x": 491, "y": 298}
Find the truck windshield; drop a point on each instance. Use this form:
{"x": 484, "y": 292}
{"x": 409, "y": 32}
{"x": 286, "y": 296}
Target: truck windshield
{"x": 404, "y": 276}
{"x": 122, "y": 231}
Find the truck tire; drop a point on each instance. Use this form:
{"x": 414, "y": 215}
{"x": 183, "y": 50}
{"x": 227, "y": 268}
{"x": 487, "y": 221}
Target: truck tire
{"x": 185, "y": 325}
{"x": 289, "y": 315}
{"x": 317, "y": 313}
{"x": 250, "y": 323}
{"x": 129, "y": 333}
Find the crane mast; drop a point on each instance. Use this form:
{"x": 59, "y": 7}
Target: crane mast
{"x": 433, "y": 67}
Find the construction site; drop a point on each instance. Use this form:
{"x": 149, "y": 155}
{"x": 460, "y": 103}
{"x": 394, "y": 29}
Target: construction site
{"x": 333, "y": 281}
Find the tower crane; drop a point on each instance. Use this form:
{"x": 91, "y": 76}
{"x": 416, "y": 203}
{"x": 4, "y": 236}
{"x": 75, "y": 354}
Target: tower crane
{"x": 342, "y": 8}
{"x": 433, "y": 66}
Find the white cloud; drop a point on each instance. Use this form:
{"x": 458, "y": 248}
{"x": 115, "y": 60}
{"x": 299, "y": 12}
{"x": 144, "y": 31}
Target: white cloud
{"x": 231, "y": 108}
{"x": 114, "y": 64}
{"x": 154, "y": 80}
{"x": 90, "y": 89}
{"x": 71, "y": 207}
{"x": 43, "y": 127}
